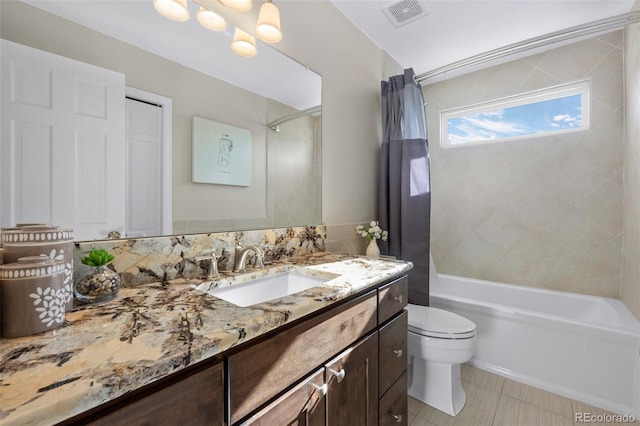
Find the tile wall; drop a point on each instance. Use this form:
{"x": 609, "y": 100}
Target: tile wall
{"x": 543, "y": 212}
{"x": 631, "y": 239}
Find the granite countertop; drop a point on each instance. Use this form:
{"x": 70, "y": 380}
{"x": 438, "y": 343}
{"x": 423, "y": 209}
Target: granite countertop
{"x": 106, "y": 350}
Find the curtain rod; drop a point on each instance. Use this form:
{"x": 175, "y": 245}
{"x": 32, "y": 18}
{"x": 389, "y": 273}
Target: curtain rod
{"x": 275, "y": 123}
{"x": 602, "y": 25}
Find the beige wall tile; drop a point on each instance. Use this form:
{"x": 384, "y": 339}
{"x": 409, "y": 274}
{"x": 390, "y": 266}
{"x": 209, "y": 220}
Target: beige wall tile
{"x": 531, "y": 212}
{"x": 630, "y": 289}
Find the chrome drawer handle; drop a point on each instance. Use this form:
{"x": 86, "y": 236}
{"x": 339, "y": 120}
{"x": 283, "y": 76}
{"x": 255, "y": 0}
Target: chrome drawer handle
{"x": 398, "y": 352}
{"x": 397, "y": 417}
{"x": 339, "y": 374}
{"x": 321, "y": 390}
{"x": 398, "y": 298}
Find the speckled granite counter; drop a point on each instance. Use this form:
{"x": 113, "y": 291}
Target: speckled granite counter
{"x": 148, "y": 332}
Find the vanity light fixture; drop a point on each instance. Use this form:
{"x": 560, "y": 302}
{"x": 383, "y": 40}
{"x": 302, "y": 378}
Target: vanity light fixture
{"x": 238, "y": 5}
{"x": 243, "y": 44}
{"x": 172, "y": 9}
{"x": 211, "y": 20}
{"x": 268, "y": 28}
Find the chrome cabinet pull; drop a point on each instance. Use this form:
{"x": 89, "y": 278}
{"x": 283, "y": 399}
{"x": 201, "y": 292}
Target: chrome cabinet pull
{"x": 398, "y": 352}
{"x": 320, "y": 390}
{"x": 398, "y": 298}
{"x": 397, "y": 417}
{"x": 339, "y": 374}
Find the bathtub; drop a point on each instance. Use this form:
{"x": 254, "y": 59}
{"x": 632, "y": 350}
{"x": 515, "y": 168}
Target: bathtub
{"x": 583, "y": 347}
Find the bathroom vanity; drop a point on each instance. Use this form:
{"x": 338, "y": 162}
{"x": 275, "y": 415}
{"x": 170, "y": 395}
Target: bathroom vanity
{"x": 333, "y": 354}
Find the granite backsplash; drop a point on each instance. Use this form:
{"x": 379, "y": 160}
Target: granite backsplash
{"x": 146, "y": 260}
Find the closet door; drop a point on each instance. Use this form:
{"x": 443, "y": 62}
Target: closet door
{"x": 62, "y": 142}
{"x": 144, "y": 169}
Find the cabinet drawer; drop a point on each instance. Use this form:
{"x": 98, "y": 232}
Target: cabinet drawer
{"x": 393, "y": 407}
{"x": 392, "y": 298}
{"x": 304, "y": 404}
{"x": 263, "y": 370}
{"x": 393, "y": 351}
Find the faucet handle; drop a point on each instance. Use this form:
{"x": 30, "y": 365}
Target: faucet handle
{"x": 259, "y": 262}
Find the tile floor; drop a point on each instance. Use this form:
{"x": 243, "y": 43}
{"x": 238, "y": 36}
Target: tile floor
{"x": 496, "y": 401}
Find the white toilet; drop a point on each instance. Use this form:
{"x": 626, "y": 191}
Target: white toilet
{"x": 438, "y": 342}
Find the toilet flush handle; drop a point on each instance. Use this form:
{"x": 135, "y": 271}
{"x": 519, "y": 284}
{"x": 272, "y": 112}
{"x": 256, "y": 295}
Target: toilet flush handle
{"x": 398, "y": 352}
{"x": 397, "y": 417}
{"x": 398, "y": 298}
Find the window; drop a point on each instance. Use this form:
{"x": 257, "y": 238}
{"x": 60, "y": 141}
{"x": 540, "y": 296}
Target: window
{"x": 554, "y": 110}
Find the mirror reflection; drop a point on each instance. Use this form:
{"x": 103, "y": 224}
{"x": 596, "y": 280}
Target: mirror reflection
{"x": 173, "y": 68}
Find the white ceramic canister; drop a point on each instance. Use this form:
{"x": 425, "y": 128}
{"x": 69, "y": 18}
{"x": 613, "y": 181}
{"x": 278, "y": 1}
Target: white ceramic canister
{"x": 38, "y": 239}
{"x": 32, "y": 295}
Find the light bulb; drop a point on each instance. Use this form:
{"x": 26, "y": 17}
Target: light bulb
{"x": 238, "y": 5}
{"x": 243, "y": 44}
{"x": 211, "y": 20}
{"x": 172, "y": 9}
{"x": 268, "y": 28}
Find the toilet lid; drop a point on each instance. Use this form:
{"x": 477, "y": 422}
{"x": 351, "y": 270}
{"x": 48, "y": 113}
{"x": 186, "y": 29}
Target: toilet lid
{"x": 439, "y": 323}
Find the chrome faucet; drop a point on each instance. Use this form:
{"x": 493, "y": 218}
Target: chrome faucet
{"x": 240, "y": 264}
{"x": 210, "y": 255}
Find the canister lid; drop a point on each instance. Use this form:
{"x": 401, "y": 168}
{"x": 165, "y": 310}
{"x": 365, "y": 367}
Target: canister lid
{"x": 31, "y": 266}
{"x": 38, "y": 233}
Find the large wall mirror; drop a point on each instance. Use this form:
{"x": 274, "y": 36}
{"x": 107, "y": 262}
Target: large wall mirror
{"x": 271, "y": 95}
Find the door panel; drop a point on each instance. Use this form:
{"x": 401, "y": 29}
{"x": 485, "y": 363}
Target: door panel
{"x": 62, "y": 142}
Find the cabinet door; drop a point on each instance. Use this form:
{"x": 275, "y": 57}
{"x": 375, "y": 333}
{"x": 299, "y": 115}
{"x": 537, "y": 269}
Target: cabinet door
{"x": 352, "y": 379}
{"x": 195, "y": 400}
{"x": 304, "y": 405}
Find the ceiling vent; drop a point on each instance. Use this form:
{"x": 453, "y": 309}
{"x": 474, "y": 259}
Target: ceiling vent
{"x": 403, "y": 12}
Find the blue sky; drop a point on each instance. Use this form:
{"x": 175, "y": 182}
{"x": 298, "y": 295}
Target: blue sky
{"x": 534, "y": 118}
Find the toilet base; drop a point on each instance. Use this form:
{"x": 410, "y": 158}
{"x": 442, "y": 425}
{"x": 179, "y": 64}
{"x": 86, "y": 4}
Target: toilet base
{"x": 437, "y": 384}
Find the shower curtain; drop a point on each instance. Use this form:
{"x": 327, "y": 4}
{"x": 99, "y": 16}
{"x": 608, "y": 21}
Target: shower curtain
{"x": 405, "y": 190}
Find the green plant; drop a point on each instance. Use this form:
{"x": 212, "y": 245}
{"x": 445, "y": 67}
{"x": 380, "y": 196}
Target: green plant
{"x": 97, "y": 257}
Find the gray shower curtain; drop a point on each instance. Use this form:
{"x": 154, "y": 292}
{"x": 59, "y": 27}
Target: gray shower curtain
{"x": 405, "y": 190}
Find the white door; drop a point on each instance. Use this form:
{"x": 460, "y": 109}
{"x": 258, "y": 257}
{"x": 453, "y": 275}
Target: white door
{"x": 144, "y": 177}
{"x": 62, "y": 142}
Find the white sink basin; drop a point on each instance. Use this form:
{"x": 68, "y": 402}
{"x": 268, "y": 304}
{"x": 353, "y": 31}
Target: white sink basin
{"x": 264, "y": 289}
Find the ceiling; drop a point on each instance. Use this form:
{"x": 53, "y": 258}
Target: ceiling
{"x": 458, "y": 29}
{"x": 451, "y": 30}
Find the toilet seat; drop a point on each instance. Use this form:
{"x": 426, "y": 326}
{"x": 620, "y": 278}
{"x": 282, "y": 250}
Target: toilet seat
{"x": 438, "y": 323}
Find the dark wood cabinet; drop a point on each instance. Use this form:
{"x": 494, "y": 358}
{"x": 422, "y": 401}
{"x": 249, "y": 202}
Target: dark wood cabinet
{"x": 392, "y": 372}
{"x": 352, "y": 381}
{"x": 343, "y": 366}
{"x": 261, "y": 371}
{"x": 193, "y": 400}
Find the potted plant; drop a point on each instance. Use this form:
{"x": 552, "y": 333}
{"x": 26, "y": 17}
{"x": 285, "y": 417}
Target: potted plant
{"x": 103, "y": 283}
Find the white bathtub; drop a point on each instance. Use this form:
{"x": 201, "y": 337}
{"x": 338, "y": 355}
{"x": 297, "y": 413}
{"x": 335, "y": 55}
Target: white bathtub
{"x": 583, "y": 347}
